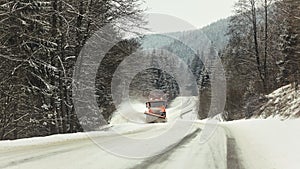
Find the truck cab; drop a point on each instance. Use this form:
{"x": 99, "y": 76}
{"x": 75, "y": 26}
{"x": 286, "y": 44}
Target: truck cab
{"x": 156, "y": 110}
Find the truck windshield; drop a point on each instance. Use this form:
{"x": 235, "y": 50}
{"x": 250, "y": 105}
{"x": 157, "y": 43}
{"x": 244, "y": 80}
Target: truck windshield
{"x": 157, "y": 104}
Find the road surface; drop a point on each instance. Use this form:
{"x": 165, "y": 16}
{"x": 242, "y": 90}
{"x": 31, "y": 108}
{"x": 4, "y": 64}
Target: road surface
{"x": 130, "y": 145}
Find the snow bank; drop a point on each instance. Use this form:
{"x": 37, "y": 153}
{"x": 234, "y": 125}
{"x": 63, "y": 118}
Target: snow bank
{"x": 283, "y": 103}
{"x": 65, "y": 138}
{"x": 109, "y": 130}
{"x": 267, "y": 144}
{"x": 47, "y": 140}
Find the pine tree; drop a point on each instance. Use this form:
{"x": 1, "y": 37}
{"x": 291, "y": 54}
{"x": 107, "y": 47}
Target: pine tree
{"x": 196, "y": 67}
{"x": 291, "y": 41}
{"x": 40, "y": 43}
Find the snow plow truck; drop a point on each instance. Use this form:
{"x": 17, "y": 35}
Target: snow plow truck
{"x": 156, "y": 111}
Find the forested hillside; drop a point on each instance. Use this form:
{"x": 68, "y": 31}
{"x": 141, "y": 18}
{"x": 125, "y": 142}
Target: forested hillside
{"x": 259, "y": 47}
{"x": 198, "y": 40}
{"x": 40, "y": 43}
{"x": 263, "y": 53}
{"x": 197, "y": 48}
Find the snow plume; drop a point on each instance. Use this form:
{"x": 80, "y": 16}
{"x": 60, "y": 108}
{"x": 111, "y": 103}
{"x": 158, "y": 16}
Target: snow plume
{"x": 129, "y": 112}
{"x": 181, "y": 108}
{"x": 283, "y": 103}
{"x": 184, "y": 108}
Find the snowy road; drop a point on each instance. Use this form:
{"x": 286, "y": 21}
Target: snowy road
{"x": 243, "y": 144}
{"x": 121, "y": 145}
{"x": 83, "y": 153}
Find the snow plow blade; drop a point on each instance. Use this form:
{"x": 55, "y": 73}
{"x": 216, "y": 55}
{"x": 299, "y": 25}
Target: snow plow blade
{"x": 154, "y": 118}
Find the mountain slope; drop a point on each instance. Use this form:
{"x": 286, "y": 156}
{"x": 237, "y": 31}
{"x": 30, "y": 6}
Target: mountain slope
{"x": 199, "y": 40}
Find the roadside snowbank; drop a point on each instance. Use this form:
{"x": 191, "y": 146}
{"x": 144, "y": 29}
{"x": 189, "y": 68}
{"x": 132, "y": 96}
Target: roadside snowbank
{"x": 267, "y": 144}
{"x": 283, "y": 103}
{"x": 35, "y": 141}
{"x": 72, "y": 137}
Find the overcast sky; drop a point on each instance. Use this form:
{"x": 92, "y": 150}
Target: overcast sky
{"x": 197, "y": 12}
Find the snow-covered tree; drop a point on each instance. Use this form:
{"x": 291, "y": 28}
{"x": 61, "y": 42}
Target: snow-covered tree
{"x": 290, "y": 41}
{"x": 40, "y": 43}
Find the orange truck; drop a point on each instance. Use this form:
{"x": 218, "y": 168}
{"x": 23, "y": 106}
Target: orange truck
{"x": 156, "y": 111}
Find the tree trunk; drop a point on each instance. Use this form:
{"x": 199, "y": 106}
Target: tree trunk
{"x": 266, "y": 46}
{"x": 255, "y": 38}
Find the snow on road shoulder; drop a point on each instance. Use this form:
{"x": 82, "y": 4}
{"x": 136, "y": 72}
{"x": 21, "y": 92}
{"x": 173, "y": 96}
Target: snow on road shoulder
{"x": 47, "y": 140}
{"x": 283, "y": 103}
{"x": 267, "y": 144}
{"x": 122, "y": 129}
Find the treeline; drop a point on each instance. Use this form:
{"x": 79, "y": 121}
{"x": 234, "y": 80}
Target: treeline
{"x": 263, "y": 53}
{"x": 200, "y": 63}
{"x": 40, "y": 43}
{"x": 155, "y": 78}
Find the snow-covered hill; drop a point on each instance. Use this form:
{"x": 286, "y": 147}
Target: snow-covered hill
{"x": 199, "y": 39}
{"x": 283, "y": 103}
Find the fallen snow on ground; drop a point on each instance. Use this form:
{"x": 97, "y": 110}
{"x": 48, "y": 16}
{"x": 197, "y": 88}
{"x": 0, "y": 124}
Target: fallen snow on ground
{"x": 267, "y": 144}
{"x": 45, "y": 140}
{"x": 181, "y": 146}
{"x": 283, "y": 103}
{"x": 271, "y": 140}
{"x": 260, "y": 143}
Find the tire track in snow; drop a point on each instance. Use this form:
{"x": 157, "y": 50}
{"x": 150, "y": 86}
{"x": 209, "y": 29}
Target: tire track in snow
{"x": 168, "y": 151}
{"x": 185, "y": 113}
{"x": 233, "y": 160}
{"x": 38, "y": 157}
